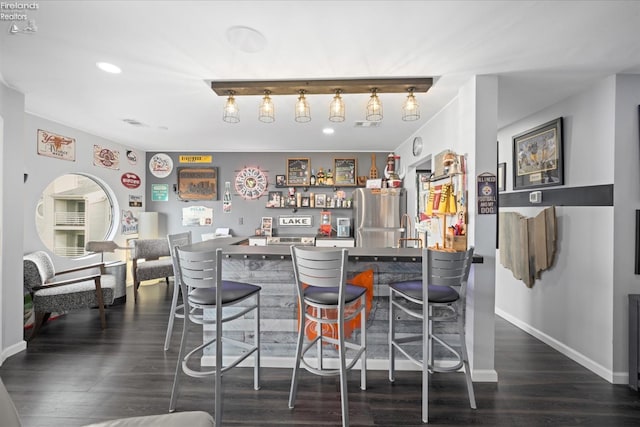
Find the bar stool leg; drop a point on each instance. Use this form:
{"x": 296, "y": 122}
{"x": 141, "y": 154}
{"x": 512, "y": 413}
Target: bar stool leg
{"x": 344, "y": 393}
{"x": 363, "y": 341}
{"x": 296, "y": 367}
{"x": 256, "y": 356}
{"x": 392, "y": 337}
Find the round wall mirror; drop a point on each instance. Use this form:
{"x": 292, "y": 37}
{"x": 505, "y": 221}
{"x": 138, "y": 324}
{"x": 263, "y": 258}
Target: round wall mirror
{"x": 73, "y": 210}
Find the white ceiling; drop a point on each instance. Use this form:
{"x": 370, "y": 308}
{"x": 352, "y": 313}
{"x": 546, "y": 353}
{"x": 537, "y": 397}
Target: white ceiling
{"x": 542, "y": 51}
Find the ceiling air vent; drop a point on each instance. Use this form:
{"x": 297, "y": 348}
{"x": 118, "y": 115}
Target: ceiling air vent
{"x": 366, "y": 124}
{"x": 134, "y": 122}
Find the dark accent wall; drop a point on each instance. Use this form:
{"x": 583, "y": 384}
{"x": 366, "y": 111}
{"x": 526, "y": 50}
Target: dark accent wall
{"x": 245, "y": 215}
{"x": 594, "y": 195}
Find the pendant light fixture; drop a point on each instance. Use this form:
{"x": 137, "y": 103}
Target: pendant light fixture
{"x": 266, "y": 112}
{"x": 374, "y": 107}
{"x": 303, "y": 112}
{"x": 336, "y": 108}
{"x": 265, "y": 90}
{"x": 410, "y": 108}
{"x": 230, "y": 114}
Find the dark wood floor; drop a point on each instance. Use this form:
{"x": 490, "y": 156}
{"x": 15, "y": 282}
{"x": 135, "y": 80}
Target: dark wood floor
{"x": 73, "y": 373}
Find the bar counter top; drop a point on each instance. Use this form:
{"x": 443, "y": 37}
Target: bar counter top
{"x": 238, "y": 247}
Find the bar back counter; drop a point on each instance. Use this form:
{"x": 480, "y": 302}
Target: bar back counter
{"x": 271, "y": 268}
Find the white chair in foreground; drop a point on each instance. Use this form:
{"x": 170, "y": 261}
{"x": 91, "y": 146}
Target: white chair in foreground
{"x": 9, "y": 417}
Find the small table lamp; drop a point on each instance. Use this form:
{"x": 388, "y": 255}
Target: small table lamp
{"x": 102, "y": 246}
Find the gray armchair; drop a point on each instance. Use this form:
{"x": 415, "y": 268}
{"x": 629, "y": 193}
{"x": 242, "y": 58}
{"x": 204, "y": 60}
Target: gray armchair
{"x": 9, "y": 417}
{"x": 50, "y": 292}
{"x": 151, "y": 259}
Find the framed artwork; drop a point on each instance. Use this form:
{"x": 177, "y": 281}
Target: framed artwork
{"x": 321, "y": 200}
{"x": 305, "y": 202}
{"x": 198, "y": 183}
{"x": 537, "y": 156}
{"x": 267, "y": 225}
{"x": 275, "y": 199}
{"x": 298, "y": 171}
{"x": 502, "y": 177}
{"x": 345, "y": 171}
{"x": 281, "y": 181}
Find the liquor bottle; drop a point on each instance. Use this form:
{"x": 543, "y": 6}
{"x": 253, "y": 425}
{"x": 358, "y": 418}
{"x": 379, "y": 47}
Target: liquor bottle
{"x": 227, "y": 192}
{"x": 312, "y": 180}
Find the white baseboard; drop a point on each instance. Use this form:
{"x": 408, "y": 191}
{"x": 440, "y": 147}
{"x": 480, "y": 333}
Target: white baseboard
{"x": 14, "y": 349}
{"x": 332, "y": 363}
{"x": 287, "y": 362}
{"x": 484, "y": 375}
{"x": 596, "y": 368}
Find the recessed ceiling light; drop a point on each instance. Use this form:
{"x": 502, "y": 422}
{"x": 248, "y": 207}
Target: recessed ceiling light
{"x": 108, "y": 68}
{"x": 328, "y": 131}
{"x": 246, "y": 39}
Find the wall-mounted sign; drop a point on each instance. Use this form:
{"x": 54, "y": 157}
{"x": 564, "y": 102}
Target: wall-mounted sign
{"x": 56, "y": 146}
{"x": 135, "y": 201}
{"x": 159, "y": 192}
{"x": 132, "y": 157}
{"x": 128, "y": 223}
{"x": 106, "y": 157}
{"x": 195, "y": 159}
{"x": 295, "y": 221}
{"x": 198, "y": 183}
{"x": 160, "y": 165}
{"x": 251, "y": 182}
{"x": 130, "y": 180}
{"x": 197, "y": 216}
{"x": 487, "y": 194}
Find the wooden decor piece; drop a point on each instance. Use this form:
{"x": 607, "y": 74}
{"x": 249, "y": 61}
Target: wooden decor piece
{"x": 373, "y": 172}
{"x": 198, "y": 183}
{"x": 528, "y": 245}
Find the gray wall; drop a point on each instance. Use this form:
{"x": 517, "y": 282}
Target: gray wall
{"x": 249, "y": 212}
{"x": 468, "y": 125}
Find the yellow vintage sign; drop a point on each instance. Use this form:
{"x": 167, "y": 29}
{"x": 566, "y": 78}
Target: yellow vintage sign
{"x": 196, "y": 159}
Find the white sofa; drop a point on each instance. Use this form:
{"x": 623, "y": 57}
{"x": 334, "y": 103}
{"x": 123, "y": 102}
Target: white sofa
{"x": 9, "y": 417}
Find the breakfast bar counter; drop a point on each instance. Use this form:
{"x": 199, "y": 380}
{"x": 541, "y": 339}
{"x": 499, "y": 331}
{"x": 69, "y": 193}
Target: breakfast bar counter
{"x": 270, "y": 267}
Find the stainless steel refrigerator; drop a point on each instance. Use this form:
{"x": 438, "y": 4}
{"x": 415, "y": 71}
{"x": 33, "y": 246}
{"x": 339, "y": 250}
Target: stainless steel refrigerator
{"x": 377, "y": 217}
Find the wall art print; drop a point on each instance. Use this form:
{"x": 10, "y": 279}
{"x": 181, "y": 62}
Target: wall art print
{"x": 537, "y": 156}
{"x": 57, "y": 146}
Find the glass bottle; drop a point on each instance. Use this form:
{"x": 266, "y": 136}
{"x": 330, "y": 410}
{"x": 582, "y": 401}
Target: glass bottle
{"x": 312, "y": 180}
{"x": 227, "y": 192}
{"x": 329, "y": 179}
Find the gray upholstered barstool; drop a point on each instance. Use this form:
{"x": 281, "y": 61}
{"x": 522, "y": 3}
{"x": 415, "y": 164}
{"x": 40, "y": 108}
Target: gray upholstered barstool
{"x": 325, "y": 299}
{"x": 447, "y": 275}
{"x": 202, "y": 288}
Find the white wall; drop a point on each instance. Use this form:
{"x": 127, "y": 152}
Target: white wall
{"x": 627, "y": 200}
{"x": 468, "y": 125}
{"x": 11, "y": 298}
{"x": 42, "y": 170}
{"x": 579, "y": 305}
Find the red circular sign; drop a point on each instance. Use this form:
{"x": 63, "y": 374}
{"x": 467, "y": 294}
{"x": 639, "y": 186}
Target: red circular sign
{"x": 130, "y": 180}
